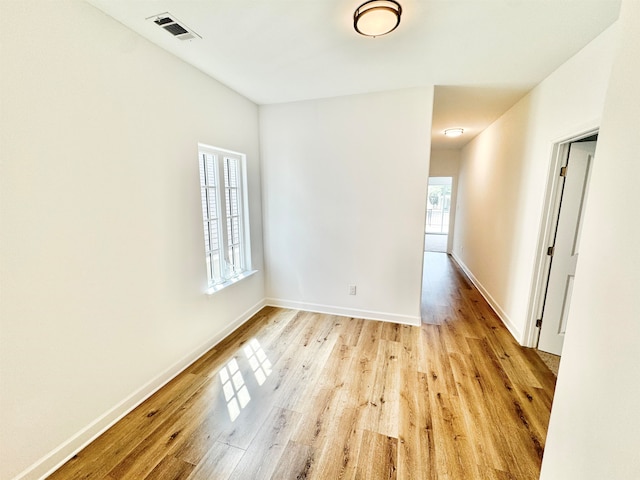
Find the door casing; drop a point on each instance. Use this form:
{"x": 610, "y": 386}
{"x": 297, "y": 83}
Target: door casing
{"x": 548, "y": 224}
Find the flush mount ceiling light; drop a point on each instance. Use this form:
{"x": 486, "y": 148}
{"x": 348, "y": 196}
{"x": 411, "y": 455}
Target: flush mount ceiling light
{"x": 377, "y": 17}
{"x": 454, "y": 132}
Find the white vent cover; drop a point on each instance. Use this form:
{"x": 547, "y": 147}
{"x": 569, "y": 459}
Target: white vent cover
{"x": 173, "y": 26}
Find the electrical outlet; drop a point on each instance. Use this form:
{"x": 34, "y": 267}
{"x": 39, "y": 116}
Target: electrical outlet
{"x": 352, "y": 289}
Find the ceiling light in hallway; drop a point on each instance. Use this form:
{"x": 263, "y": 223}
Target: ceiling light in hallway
{"x": 454, "y": 132}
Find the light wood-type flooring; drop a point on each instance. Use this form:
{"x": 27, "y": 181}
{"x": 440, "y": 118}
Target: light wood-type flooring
{"x": 298, "y": 395}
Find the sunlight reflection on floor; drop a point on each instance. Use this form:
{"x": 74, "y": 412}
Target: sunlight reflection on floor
{"x": 258, "y": 360}
{"x": 234, "y": 387}
{"x": 235, "y": 390}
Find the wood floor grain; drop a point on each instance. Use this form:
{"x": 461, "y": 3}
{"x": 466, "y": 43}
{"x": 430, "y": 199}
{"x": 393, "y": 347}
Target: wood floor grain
{"x": 299, "y": 395}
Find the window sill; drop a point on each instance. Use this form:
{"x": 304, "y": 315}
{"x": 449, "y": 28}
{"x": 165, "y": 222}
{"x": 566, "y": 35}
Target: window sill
{"x": 232, "y": 281}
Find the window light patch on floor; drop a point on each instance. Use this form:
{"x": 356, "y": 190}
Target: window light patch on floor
{"x": 235, "y": 390}
{"x": 258, "y": 360}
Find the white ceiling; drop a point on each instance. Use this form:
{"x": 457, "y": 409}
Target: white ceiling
{"x": 483, "y": 55}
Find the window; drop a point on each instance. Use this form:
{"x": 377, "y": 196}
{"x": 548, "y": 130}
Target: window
{"x": 225, "y": 217}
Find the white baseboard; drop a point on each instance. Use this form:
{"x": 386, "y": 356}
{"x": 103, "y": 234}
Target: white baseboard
{"x": 345, "y": 312}
{"x": 61, "y": 454}
{"x": 517, "y": 335}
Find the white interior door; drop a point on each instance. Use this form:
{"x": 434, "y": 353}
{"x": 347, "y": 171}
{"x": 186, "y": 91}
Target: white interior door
{"x": 566, "y": 247}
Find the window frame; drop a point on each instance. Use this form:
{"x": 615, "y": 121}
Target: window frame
{"x": 220, "y": 186}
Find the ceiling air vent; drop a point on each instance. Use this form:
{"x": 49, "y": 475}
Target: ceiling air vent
{"x": 173, "y": 26}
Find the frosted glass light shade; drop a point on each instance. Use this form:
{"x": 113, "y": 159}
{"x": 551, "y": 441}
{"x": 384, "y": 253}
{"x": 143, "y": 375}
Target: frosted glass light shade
{"x": 377, "y": 17}
{"x": 453, "y": 132}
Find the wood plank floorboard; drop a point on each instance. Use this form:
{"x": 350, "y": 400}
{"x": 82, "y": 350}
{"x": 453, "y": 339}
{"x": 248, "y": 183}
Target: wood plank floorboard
{"x": 300, "y": 395}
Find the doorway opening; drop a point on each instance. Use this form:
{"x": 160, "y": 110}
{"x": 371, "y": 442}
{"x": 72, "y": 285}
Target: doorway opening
{"x": 438, "y": 214}
{"x": 559, "y": 243}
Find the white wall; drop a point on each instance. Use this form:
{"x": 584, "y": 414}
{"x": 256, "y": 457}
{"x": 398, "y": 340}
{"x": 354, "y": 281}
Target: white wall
{"x": 503, "y": 175}
{"x": 446, "y": 163}
{"x": 595, "y": 421}
{"x": 344, "y": 196}
{"x": 102, "y": 253}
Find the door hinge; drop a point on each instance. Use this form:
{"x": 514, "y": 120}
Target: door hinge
{"x": 563, "y": 172}
{"x": 550, "y": 251}
{"x": 539, "y": 322}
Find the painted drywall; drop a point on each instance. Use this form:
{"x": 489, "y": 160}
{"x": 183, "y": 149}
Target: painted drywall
{"x": 503, "y": 175}
{"x": 344, "y": 198}
{"x": 593, "y": 433}
{"x": 103, "y": 274}
{"x": 446, "y": 163}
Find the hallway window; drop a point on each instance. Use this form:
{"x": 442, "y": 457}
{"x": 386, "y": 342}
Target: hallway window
{"x": 438, "y": 204}
{"x": 438, "y": 210}
{"x": 224, "y": 214}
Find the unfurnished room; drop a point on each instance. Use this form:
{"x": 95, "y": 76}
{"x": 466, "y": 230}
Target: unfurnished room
{"x": 319, "y": 239}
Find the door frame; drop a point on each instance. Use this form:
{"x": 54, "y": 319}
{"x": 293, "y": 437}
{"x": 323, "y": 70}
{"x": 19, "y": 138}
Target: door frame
{"x": 550, "y": 211}
{"x": 452, "y": 213}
